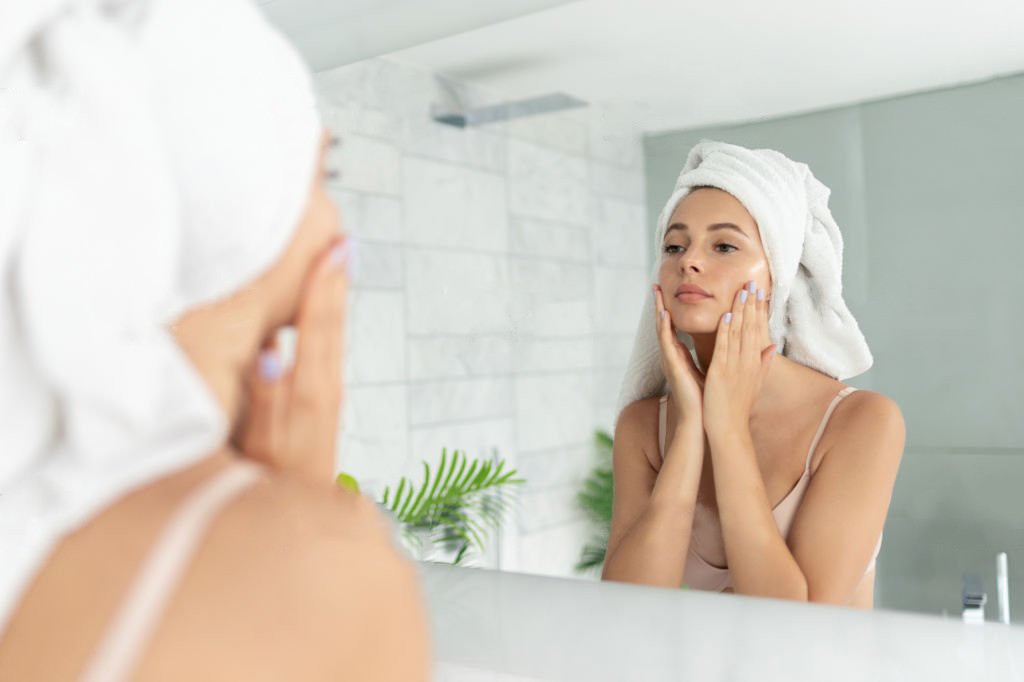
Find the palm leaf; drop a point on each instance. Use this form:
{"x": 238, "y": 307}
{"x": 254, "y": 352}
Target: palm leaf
{"x": 458, "y": 504}
{"x": 596, "y": 498}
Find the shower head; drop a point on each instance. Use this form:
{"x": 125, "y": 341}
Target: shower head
{"x": 544, "y": 104}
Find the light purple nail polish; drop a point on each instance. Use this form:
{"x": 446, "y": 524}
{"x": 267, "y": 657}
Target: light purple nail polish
{"x": 270, "y": 365}
{"x": 760, "y": 294}
{"x": 340, "y": 254}
{"x": 728, "y": 317}
{"x": 743, "y": 296}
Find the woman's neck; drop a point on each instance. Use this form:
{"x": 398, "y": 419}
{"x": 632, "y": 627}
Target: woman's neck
{"x": 783, "y": 375}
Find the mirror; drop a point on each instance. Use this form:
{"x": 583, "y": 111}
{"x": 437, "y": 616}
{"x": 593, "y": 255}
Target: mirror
{"x": 503, "y": 184}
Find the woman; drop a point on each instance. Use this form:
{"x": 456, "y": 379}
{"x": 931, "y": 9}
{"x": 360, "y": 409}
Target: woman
{"x": 759, "y": 472}
{"x": 167, "y": 509}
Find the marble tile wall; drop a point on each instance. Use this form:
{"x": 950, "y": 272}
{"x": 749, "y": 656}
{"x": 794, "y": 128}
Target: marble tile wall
{"x": 497, "y": 285}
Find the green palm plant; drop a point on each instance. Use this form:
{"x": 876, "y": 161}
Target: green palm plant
{"x": 457, "y": 506}
{"x": 595, "y": 500}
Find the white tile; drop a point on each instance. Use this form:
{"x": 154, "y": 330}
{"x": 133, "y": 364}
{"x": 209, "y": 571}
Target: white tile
{"x": 549, "y": 240}
{"x": 616, "y": 181}
{"x": 619, "y": 150}
{"x": 380, "y": 83}
{"x": 347, "y": 118}
{"x": 548, "y": 184}
{"x": 555, "y": 130}
{"x": 369, "y": 216}
{"x": 452, "y": 206}
{"x": 553, "y": 551}
{"x": 615, "y": 137}
{"x": 477, "y": 439}
{"x": 456, "y": 293}
{"x": 374, "y": 431}
{"x": 456, "y": 672}
{"x": 612, "y": 350}
{"x": 558, "y": 468}
{"x": 350, "y": 83}
{"x": 459, "y": 400}
{"x": 618, "y": 297}
{"x": 377, "y": 265}
{"x": 607, "y": 384}
{"x": 605, "y": 416}
{"x": 376, "y": 338}
{"x": 548, "y": 507}
{"x": 553, "y": 355}
{"x": 452, "y": 357}
{"x": 545, "y": 318}
{"x": 619, "y": 233}
{"x": 366, "y": 164}
{"x": 479, "y": 148}
{"x": 551, "y": 299}
{"x": 554, "y": 411}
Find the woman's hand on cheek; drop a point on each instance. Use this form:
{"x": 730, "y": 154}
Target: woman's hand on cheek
{"x": 739, "y": 364}
{"x": 684, "y": 379}
{"x": 292, "y": 419}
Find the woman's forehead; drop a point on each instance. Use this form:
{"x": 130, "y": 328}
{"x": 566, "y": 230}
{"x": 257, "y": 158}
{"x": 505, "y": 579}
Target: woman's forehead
{"x": 707, "y": 206}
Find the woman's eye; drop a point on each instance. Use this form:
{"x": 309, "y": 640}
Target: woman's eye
{"x": 730, "y": 246}
{"x": 672, "y": 248}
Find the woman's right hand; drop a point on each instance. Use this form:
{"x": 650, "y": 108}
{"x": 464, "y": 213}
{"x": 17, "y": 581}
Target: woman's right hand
{"x": 685, "y": 380}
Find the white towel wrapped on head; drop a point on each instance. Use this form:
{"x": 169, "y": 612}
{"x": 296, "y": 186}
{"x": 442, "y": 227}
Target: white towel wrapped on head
{"x": 155, "y": 155}
{"x": 809, "y": 319}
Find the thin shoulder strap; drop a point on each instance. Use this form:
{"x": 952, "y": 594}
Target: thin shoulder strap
{"x": 662, "y": 424}
{"x": 824, "y": 422}
{"x": 117, "y": 654}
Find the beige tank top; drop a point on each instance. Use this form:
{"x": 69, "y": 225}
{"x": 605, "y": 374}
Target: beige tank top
{"x": 706, "y": 533}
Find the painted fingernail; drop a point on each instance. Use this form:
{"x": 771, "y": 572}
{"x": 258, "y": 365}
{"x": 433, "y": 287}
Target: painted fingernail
{"x": 271, "y": 367}
{"x": 752, "y": 284}
{"x": 341, "y": 253}
{"x": 728, "y": 317}
{"x": 743, "y": 296}
{"x": 760, "y": 294}
{"x": 662, "y": 314}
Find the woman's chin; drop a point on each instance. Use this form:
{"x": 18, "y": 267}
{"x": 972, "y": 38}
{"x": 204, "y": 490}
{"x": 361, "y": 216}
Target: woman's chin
{"x": 694, "y": 322}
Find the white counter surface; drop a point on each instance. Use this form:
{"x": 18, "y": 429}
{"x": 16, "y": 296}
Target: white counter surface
{"x": 511, "y": 627}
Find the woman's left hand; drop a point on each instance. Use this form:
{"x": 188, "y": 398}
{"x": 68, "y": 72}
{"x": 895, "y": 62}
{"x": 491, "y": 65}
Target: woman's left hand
{"x": 292, "y": 417}
{"x": 743, "y": 354}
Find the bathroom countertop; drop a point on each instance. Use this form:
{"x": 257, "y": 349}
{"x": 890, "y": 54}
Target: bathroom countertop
{"x": 513, "y": 627}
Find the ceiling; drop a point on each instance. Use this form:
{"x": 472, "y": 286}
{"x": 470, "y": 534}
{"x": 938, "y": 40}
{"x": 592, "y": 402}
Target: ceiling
{"x": 676, "y": 65}
{"x": 331, "y": 33}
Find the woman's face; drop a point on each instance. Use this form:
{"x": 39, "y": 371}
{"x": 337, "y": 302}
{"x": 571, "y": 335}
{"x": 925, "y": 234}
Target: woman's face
{"x": 712, "y": 242}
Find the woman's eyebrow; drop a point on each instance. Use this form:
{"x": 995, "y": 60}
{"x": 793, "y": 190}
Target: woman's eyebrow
{"x": 711, "y": 228}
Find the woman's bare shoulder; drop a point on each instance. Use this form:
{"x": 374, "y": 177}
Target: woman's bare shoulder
{"x": 315, "y": 555}
{"x": 636, "y": 433}
{"x": 639, "y": 416}
{"x": 868, "y": 420}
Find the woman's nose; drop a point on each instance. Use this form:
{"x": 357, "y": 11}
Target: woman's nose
{"x": 689, "y": 262}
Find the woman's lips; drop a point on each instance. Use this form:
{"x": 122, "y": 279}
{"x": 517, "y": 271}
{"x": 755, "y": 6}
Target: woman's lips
{"x": 691, "y": 297}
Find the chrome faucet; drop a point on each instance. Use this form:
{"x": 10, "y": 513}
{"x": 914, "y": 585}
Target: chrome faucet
{"x": 974, "y": 599}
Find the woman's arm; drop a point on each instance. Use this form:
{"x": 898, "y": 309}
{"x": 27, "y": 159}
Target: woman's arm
{"x": 653, "y": 511}
{"x": 759, "y": 561}
{"x": 839, "y": 520}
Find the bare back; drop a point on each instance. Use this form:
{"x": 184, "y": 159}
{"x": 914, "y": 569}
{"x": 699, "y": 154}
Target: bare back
{"x": 291, "y": 581}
